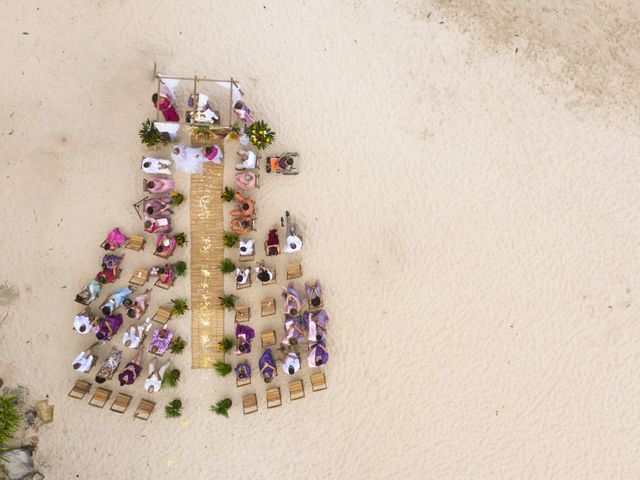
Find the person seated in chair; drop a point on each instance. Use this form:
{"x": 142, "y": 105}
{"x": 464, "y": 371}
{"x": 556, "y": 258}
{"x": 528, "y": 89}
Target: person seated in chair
{"x": 267, "y": 366}
{"x": 242, "y": 276}
{"x": 242, "y": 225}
{"x": 263, "y": 273}
{"x": 165, "y": 245}
{"x": 291, "y": 363}
{"x": 244, "y": 335}
{"x": 318, "y": 355}
{"x": 314, "y": 294}
{"x": 246, "y": 247}
{"x": 108, "y": 326}
{"x": 243, "y": 112}
{"x": 249, "y": 160}
{"x": 114, "y": 240}
{"x": 89, "y": 293}
{"x": 243, "y": 370}
{"x": 158, "y": 207}
{"x": 273, "y": 242}
{"x": 247, "y": 207}
{"x": 116, "y": 299}
{"x": 292, "y": 301}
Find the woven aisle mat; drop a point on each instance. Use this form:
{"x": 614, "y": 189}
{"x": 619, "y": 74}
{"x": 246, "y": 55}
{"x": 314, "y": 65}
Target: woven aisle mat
{"x": 207, "y": 282}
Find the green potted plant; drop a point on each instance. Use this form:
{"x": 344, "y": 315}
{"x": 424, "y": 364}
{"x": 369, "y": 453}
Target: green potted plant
{"x": 228, "y": 301}
{"x": 173, "y": 409}
{"x": 9, "y": 419}
{"x": 176, "y": 346}
{"x": 177, "y": 198}
{"x": 226, "y": 344}
{"x": 180, "y": 306}
{"x": 223, "y": 369}
{"x": 230, "y": 239}
{"x": 181, "y": 239}
{"x": 227, "y": 266}
{"x": 150, "y": 135}
{"x": 222, "y": 407}
{"x": 171, "y": 378}
{"x": 228, "y": 194}
{"x": 260, "y": 134}
{"x": 180, "y": 268}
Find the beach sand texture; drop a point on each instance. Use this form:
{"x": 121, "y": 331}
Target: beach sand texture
{"x": 468, "y": 197}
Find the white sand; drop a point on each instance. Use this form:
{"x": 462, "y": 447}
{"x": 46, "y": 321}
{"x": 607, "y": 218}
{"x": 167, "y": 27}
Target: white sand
{"x": 471, "y": 210}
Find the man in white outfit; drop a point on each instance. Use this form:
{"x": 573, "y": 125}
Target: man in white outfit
{"x": 291, "y": 363}
{"x": 82, "y": 323}
{"x": 155, "y": 165}
{"x": 249, "y": 160}
{"x": 84, "y": 361}
{"x": 135, "y": 335}
{"x": 242, "y": 276}
{"x": 153, "y": 383}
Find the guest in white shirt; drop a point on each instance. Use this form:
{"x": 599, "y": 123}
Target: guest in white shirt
{"x": 153, "y": 383}
{"x": 82, "y": 323}
{"x": 84, "y": 361}
{"x": 155, "y": 165}
{"x": 246, "y": 247}
{"x": 242, "y": 276}
{"x": 291, "y": 363}
{"x": 136, "y": 334}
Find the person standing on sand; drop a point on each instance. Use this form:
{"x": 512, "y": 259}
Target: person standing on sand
{"x": 155, "y": 165}
{"x": 164, "y": 101}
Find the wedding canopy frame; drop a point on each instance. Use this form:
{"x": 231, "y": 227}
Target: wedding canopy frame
{"x": 196, "y": 80}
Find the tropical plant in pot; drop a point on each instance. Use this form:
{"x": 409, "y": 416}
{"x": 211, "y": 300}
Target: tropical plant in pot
{"x": 180, "y": 268}
{"x": 150, "y": 135}
{"x": 177, "y": 198}
{"x": 171, "y": 378}
{"x": 226, "y": 344}
{"x": 9, "y": 419}
{"x": 173, "y": 409}
{"x": 223, "y": 369}
{"x": 179, "y": 307}
{"x": 181, "y": 239}
{"x": 227, "y": 266}
{"x": 177, "y": 344}
{"x": 228, "y": 194}
{"x": 230, "y": 239}
{"x": 228, "y": 301}
{"x": 222, "y": 407}
{"x": 260, "y": 134}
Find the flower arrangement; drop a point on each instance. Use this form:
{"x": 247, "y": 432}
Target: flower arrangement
{"x": 228, "y": 194}
{"x": 177, "y": 198}
{"x": 150, "y": 135}
{"x": 260, "y": 134}
{"x": 180, "y": 306}
{"x": 230, "y": 239}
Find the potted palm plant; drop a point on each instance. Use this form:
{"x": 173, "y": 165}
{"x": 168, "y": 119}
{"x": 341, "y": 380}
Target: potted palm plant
{"x": 150, "y": 135}
{"x": 176, "y": 346}
{"x": 222, "y": 407}
{"x": 173, "y": 409}
{"x": 226, "y": 344}
{"x": 180, "y": 268}
{"x": 228, "y": 194}
{"x": 171, "y": 378}
{"x": 177, "y": 198}
{"x": 230, "y": 239}
{"x": 181, "y": 239}
{"x": 179, "y": 306}
{"x": 223, "y": 369}
{"x": 228, "y": 301}
{"x": 227, "y": 266}
{"x": 260, "y": 134}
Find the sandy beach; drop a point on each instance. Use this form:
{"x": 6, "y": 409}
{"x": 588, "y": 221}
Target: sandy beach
{"x": 468, "y": 196}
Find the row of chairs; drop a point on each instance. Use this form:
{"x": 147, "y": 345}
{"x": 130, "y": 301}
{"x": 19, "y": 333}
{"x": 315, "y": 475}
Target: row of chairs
{"x": 294, "y": 270}
{"x": 274, "y": 399}
{"x": 120, "y": 404}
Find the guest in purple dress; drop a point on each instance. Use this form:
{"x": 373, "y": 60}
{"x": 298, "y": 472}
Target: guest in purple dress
{"x": 132, "y": 370}
{"x": 158, "y": 207}
{"x": 160, "y": 341}
{"x": 293, "y": 330}
{"x": 108, "y": 326}
{"x": 267, "y": 366}
{"x": 244, "y": 335}
{"x": 317, "y": 322}
{"x": 318, "y": 355}
{"x": 243, "y": 370}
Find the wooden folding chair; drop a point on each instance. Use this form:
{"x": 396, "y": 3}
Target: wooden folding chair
{"x": 318, "y": 382}
{"x": 164, "y": 286}
{"x": 248, "y": 258}
{"x": 249, "y": 403}
{"x": 143, "y": 412}
{"x": 139, "y": 277}
{"x": 80, "y": 389}
{"x": 273, "y": 279}
{"x": 163, "y": 315}
{"x": 294, "y": 270}
{"x": 243, "y": 382}
{"x": 273, "y": 397}
{"x": 242, "y": 314}
{"x": 100, "y": 397}
{"x": 296, "y": 390}
{"x": 247, "y": 284}
{"x": 136, "y": 242}
{"x": 268, "y": 307}
{"x": 121, "y": 403}
{"x": 268, "y": 338}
